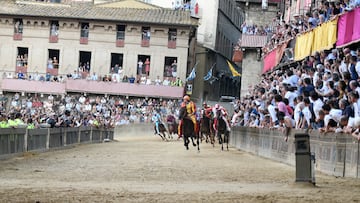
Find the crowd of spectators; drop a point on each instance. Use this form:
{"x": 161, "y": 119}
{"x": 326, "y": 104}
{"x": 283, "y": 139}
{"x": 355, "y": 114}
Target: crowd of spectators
{"x": 284, "y": 31}
{"x": 114, "y": 77}
{"x": 75, "y": 110}
{"x": 320, "y": 93}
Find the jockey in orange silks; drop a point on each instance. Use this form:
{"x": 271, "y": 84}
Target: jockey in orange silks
{"x": 191, "y": 113}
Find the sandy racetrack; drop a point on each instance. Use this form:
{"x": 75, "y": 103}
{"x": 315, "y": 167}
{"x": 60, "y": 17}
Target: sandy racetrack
{"x": 142, "y": 168}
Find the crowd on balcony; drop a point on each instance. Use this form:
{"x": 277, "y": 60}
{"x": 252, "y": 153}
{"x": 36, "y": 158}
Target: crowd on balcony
{"x": 302, "y": 23}
{"x": 116, "y": 75}
{"x": 36, "y": 111}
{"x": 320, "y": 93}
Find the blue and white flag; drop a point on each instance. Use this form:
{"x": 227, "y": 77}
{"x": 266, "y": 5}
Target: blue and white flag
{"x": 192, "y": 74}
{"x": 209, "y": 76}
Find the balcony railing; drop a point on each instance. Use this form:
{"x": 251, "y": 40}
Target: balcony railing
{"x": 96, "y": 87}
{"x": 120, "y": 43}
{"x": 172, "y": 44}
{"x": 53, "y": 71}
{"x": 53, "y": 38}
{"x": 17, "y": 36}
{"x": 23, "y": 69}
{"x": 84, "y": 40}
{"x": 145, "y": 43}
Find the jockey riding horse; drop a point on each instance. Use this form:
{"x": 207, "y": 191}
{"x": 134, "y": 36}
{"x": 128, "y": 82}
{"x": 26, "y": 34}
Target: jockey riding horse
{"x": 187, "y": 125}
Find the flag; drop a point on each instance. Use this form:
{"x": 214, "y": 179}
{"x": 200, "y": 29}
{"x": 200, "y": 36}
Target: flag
{"x": 209, "y": 76}
{"x": 192, "y": 74}
{"x": 232, "y": 69}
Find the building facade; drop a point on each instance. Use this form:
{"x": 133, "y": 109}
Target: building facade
{"x": 55, "y": 38}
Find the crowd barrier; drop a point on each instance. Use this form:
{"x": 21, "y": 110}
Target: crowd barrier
{"x": 336, "y": 154}
{"x": 19, "y": 140}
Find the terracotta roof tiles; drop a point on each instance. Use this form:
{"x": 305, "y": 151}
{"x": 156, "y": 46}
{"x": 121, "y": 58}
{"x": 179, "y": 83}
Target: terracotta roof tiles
{"x": 93, "y": 12}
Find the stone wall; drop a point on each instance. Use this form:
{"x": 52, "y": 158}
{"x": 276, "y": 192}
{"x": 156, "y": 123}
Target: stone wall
{"x": 251, "y": 71}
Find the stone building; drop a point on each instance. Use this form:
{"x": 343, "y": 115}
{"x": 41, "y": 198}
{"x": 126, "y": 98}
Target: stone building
{"x": 218, "y": 33}
{"x": 41, "y": 37}
{"x": 260, "y": 13}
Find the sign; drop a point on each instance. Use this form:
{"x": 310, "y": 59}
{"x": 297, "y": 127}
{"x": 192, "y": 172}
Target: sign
{"x": 189, "y": 88}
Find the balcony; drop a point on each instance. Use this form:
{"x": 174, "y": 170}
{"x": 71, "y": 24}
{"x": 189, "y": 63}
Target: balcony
{"x": 53, "y": 38}
{"x": 145, "y": 43}
{"x": 17, "y": 36}
{"x": 171, "y": 44}
{"x": 95, "y": 87}
{"x": 120, "y": 43}
{"x": 84, "y": 40}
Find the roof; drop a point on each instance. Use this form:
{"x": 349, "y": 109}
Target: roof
{"x": 254, "y": 41}
{"x": 128, "y": 4}
{"x": 153, "y": 15}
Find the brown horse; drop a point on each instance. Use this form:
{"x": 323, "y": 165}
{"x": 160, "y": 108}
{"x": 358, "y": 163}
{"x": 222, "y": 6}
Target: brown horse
{"x": 223, "y": 133}
{"x": 172, "y": 125}
{"x": 188, "y": 129}
{"x": 206, "y": 130}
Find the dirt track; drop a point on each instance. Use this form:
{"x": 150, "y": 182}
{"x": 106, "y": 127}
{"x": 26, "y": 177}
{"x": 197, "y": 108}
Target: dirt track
{"x": 145, "y": 169}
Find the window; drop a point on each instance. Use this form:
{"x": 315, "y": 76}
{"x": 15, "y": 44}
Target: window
{"x": 145, "y": 33}
{"x": 116, "y": 63}
{"x": 143, "y": 65}
{"x": 84, "y": 30}
{"x": 120, "y": 35}
{"x": 52, "y": 64}
{"x": 22, "y": 59}
{"x": 53, "y": 61}
{"x": 170, "y": 68}
{"x": 120, "y": 32}
{"x": 172, "y": 38}
{"x": 18, "y": 26}
{"x": 18, "y": 29}
{"x": 84, "y": 63}
{"x": 54, "y": 28}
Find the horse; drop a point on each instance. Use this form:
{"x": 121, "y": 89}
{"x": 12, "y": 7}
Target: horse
{"x": 172, "y": 126}
{"x": 188, "y": 129}
{"x": 222, "y": 130}
{"x": 206, "y": 130}
{"x": 163, "y": 131}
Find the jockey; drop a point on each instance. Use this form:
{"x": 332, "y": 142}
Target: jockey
{"x": 156, "y": 118}
{"x": 191, "y": 113}
{"x": 216, "y": 108}
{"x": 206, "y": 111}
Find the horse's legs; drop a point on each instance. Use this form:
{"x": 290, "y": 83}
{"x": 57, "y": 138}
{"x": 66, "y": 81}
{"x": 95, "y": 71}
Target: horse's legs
{"x": 198, "y": 142}
{"x": 227, "y": 140}
{"x": 192, "y": 140}
{"x": 186, "y": 142}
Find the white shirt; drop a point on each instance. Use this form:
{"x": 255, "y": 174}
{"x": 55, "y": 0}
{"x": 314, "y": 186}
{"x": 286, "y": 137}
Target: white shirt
{"x": 272, "y": 113}
{"x": 317, "y": 107}
{"x": 307, "y": 114}
{"x": 291, "y": 96}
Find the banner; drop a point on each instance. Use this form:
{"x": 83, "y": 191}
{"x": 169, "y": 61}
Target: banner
{"x": 345, "y": 29}
{"x": 356, "y": 32}
{"x": 269, "y": 61}
{"x": 303, "y": 45}
{"x": 325, "y": 36}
